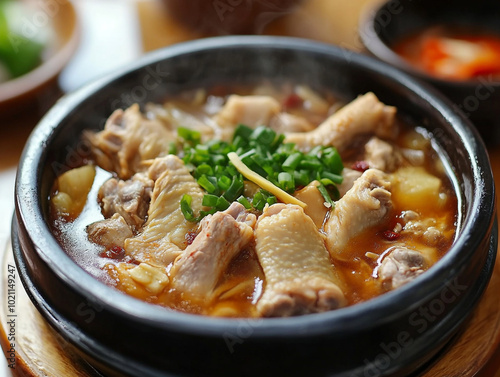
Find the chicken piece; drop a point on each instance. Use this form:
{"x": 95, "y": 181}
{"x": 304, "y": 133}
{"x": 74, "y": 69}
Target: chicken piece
{"x": 109, "y": 232}
{"x": 128, "y": 198}
{"x": 163, "y": 235}
{"x": 252, "y": 111}
{"x": 349, "y": 177}
{"x": 400, "y": 266}
{"x": 285, "y": 122}
{"x": 382, "y": 155}
{"x": 364, "y": 115}
{"x": 365, "y": 205}
{"x": 316, "y": 208}
{"x": 300, "y": 278}
{"x": 127, "y": 140}
{"x": 430, "y": 230}
{"x": 222, "y": 235}
{"x": 174, "y": 114}
{"x": 313, "y": 101}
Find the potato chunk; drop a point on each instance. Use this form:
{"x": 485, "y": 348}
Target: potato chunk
{"x": 416, "y": 188}
{"x": 71, "y": 191}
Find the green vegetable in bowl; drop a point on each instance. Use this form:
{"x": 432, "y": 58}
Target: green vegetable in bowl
{"x": 258, "y": 155}
{"x": 18, "y": 54}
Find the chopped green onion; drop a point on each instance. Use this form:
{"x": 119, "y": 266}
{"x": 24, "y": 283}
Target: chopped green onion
{"x": 204, "y": 182}
{"x": 232, "y": 171}
{"x": 236, "y": 188}
{"x": 186, "y": 209}
{"x": 325, "y": 195}
{"x": 224, "y": 182}
{"x": 222, "y": 204}
{"x": 209, "y": 200}
{"x": 189, "y": 135}
{"x": 211, "y": 211}
{"x": 334, "y": 192}
{"x": 310, "y": 164}
{"x": 277, "y": 142}
{"x": 218, "y": 160}
{"x": 242, "y": 132}
{"x": 332, "y": 160}
{"x": 202, "y": 149}
{"x": 335, "y": 178}
{"x": 286, "y": 182}
{"x": 292, "y": 161}
{"x": 244, "y": 201}
{"x": 200, "y": 158}
{"x": 263, "y": 152}
{"x": 272, "y": 200}
{"x": 287, "y": 148}
{"x": 301, "y": 177}
{"x": 172, "y": 148}
{"x": 326, "y": 182}
{"x": 259, "y": 201}
{"x": 204, "y": 169}
{"x": 263, "y": 135}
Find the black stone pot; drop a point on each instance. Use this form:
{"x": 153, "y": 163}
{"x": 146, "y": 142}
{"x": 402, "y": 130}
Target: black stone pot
{"x": 394, "y": 334}
{"x": 384, "y": 25}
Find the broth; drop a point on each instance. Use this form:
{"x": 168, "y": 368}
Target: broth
{"x": 416, "y": 220}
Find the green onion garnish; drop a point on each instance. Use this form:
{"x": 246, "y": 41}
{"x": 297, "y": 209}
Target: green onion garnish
{"x": 325, "y": 194}
{"x": 262, "y": 150}
{"x": 186, "y": 209}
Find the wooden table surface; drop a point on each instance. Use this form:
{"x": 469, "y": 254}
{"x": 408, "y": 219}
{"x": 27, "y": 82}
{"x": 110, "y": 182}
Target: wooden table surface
{"x": 139, "y": 26}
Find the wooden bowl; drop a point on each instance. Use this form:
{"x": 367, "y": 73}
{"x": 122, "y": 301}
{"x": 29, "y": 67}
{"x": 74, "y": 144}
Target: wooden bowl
{"x": 27, "y": 90}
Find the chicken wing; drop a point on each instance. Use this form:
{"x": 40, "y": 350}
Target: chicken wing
{"x": 127, "y": 140}
{"x": 163, "y": 235}
{"x": 366, "y": 204}
{"x": 300, "y": 278}
{"x": 364, "y": 115}
{"x": 221, "y": 237}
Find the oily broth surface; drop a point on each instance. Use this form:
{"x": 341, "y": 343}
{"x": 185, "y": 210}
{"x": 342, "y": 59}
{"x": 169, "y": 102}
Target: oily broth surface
{"x": 243, "y": 282}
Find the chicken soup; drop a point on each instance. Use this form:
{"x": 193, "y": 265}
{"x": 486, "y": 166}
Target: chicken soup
{"x": 270, "y": 201}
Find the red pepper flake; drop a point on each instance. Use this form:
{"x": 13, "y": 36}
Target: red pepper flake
{"x": 190, "y": 236}
{"x": 129, "y": 259}
{"x": 115, "y": 252}
{"x": 360, "y": 166}
{"x": 293, "y": 101}
{"x": 389, "y": 235}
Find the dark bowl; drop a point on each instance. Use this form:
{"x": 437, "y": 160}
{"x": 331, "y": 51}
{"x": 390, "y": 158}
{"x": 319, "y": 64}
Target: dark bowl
{"x": 386, "y": 24}
{"x": 394, "y": 334}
